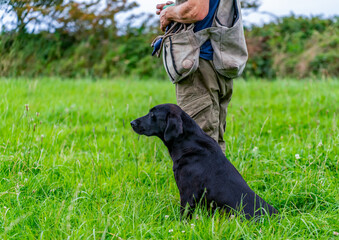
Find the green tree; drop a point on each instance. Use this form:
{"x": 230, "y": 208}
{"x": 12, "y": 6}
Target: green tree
{"x": 250, "y": 4}
{"x": 69, "y": 15}
{"x": 27, "y": 11}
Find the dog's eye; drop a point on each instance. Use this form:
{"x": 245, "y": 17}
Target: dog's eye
{"x": 152, "y": 115}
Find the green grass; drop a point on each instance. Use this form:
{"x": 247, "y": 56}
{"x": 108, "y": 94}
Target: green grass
{"x": 76, "y": 170}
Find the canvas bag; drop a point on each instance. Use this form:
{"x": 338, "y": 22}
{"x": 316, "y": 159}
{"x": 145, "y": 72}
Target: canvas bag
{"x": 181, "y": 49}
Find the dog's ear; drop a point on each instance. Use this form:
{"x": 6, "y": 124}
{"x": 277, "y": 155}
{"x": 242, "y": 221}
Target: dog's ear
{"x": 174, "y": 127}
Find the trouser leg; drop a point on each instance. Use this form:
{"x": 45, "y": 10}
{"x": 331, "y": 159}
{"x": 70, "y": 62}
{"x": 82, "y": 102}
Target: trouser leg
{"x": 224, "y": 100}
{"x": 205, "y": 95}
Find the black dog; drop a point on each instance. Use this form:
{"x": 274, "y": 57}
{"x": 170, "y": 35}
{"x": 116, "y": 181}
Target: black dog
{"x": 201, "y": 170}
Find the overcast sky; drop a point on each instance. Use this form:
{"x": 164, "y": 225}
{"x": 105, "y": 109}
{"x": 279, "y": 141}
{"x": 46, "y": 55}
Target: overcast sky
{"x": 277, "y": 7}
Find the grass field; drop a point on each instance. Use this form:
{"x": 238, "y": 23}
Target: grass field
{"x": 71, "y": 167}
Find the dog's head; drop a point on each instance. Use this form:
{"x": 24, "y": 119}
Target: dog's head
{"x": 163, "y": 121}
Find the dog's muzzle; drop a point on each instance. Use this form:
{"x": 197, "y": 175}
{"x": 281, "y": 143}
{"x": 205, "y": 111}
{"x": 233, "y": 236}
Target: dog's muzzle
{"x": 134, "y": 124}
{"x": 137, "y": 127}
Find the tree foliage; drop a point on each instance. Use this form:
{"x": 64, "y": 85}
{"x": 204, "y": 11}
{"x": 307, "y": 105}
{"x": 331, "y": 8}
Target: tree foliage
{"x": 73, "y": 16}
{"x": 250, "y": 4}
{"x": 69, "y": 15}
{"x": 82, "y": 40}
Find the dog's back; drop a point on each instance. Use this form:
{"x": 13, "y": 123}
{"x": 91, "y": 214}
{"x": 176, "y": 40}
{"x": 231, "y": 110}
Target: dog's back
{"x": 205, "y": 170}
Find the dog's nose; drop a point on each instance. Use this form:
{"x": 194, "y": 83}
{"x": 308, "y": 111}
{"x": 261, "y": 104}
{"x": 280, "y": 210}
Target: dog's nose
{"x": 133, "y": 124}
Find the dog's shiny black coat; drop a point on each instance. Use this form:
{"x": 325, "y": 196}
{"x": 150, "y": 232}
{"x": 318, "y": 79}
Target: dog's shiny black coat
{"x": 201, "y": 170}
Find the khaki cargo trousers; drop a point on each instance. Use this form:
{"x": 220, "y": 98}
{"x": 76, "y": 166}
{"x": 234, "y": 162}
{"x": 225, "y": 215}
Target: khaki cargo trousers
{"x": 205, "y": 95}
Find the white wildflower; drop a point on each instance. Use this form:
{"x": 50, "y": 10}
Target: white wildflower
{"x": 171, "y": 230}
{"x": 320, "y": 144}
{"x": 297, "y": 156}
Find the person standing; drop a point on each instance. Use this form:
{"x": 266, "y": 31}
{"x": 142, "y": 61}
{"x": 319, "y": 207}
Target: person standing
{"x": 204, "y": 94}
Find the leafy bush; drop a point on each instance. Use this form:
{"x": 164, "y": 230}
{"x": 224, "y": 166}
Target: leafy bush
{"x": 291, "y": 46}
{"x": 59, "y": 54}
{"x": 294, "y": 46}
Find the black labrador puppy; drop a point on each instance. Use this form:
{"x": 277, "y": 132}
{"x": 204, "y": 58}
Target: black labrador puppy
{"x": 201, "y": 170}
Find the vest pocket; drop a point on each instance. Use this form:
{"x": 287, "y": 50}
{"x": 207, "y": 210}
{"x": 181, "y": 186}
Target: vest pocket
{"x": 181, "y": 55}
{"x": 228, "y": 42}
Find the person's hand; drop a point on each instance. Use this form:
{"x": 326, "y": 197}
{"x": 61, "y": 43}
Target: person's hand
{"x": 164, "y": 22}
{"x": 160, "y": 6}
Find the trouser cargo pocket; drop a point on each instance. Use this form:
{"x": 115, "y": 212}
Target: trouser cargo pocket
{"x": 202, "y": 111}
{"x": 195, "y": 106}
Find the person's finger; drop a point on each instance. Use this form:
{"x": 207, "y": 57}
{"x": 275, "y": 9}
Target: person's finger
{"x": 169, "y": 2}
{"x": 160, "y": 6}
{"x": 162, "y": 27}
